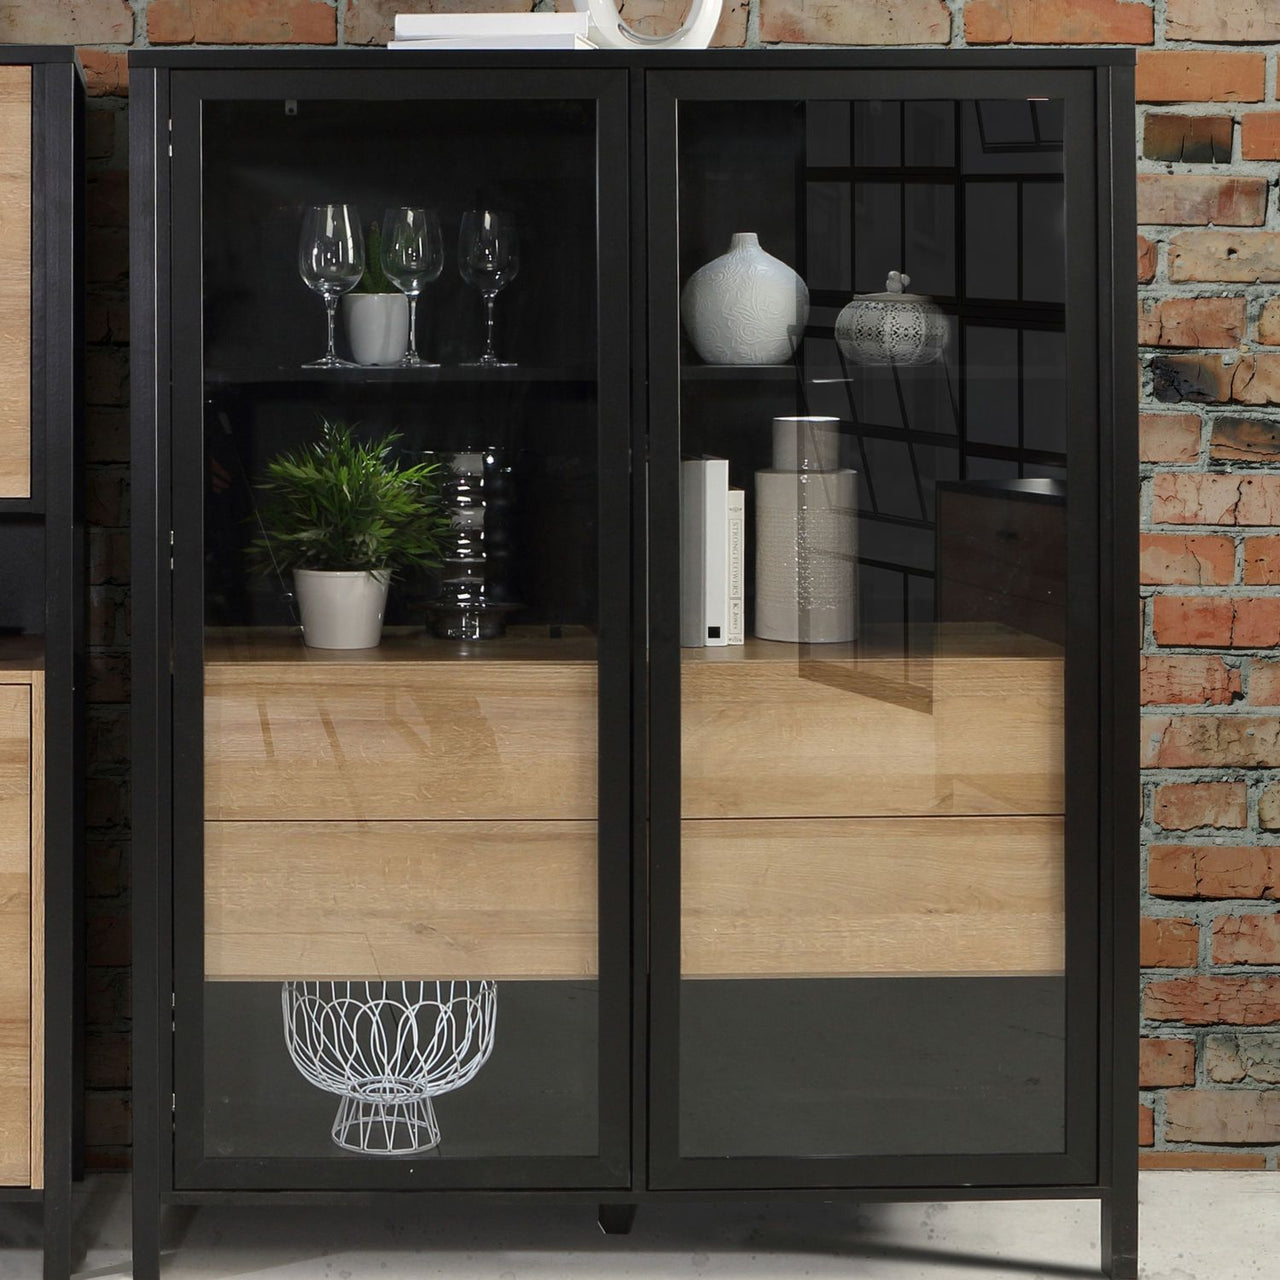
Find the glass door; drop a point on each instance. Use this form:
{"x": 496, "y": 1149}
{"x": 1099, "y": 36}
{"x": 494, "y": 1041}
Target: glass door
{"x": 873, "y": 417}
{"x": 400, "y": 474}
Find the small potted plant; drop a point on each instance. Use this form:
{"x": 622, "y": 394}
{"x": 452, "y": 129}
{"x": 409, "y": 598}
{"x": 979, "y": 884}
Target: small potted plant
{"x": 344, "y": 516}
{"x": 375, "y": 312}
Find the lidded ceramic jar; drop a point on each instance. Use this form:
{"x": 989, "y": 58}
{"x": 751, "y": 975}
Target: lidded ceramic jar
{"x": 893, "y": 327}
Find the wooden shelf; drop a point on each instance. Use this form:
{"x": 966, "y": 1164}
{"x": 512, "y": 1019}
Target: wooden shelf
{"x": 739, "y": 373}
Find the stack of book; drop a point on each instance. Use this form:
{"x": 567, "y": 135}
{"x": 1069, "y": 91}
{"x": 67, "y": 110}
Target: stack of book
{"x": 712, "y": 532}
{"x": 491, "y": 31}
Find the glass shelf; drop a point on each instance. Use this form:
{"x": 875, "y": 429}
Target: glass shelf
{"x": 254, "y": 375}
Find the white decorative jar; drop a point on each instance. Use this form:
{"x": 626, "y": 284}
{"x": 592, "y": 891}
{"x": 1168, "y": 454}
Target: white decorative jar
{"x": 806, "y": 537}
{"x": 893, "y": 327}
{"x": 377, "y": 326}
{"x": 746, "y": 307}
{"x": 341, "y": 608}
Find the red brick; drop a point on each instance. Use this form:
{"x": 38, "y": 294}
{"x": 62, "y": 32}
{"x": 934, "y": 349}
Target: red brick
{"x": 100, "y": 134}
{"x": 106, "y": 74}
{"x": 1201, "y": 1001}
{"x": 1146, "y": 260}
{"x": 1198, "y": 560}
{"x": 1183, "y": 806}
{"x": 108, "y": 556}
{"x": 1168, "y": 944}
{"x": 1224, "y": 1117}
{"x": 107, "y": 1120}
{"x": 106, "y": 435}
{"x": 1213, "y": 871}
{"x": 1190, "y": 1159}
{"x": 1185, "y": 75}
{"x": 1234, "y": 439}
{"x": 1262, "y": 561}
{"x": 81, "y": 22}
{"x": 1146, "y": 1126}
{"x": 1058, "y": 22}
{"x": 1188, "y": 678}
{"x": 1169, "y": 437}
{"x": 107, "y": 198}
{"x": 1246, "y": 940}
{"x": 1198, "y": 199}
{"x": 241, "y": 22}
{"x": 1217, "y": 621}
{"x": 1191, "y": 322}
{"x": 1250, "y": 1056}
{"x": 1264, "y": 683}
{"x": 1165, "y": 1064}
{"x": 1260, "y": 135}
{"x": 106, "y": 1060}
{"x": 373, "y": 21}
{"x": 1224, "y": 21}
{"x": 855, "y": 22}
{"x": 1269, "y": 809}
{"x": 1187, "y": 139}
{"x": 1211, "y": 741}
{"x": 108, "y": 678}
{"x": 1237, "y": 257}
{"x": 1197, "y": 498}
{"x": 1216, "y": 379}
{"x": 1269, "y": 322}
{"x": 106, "y": 255}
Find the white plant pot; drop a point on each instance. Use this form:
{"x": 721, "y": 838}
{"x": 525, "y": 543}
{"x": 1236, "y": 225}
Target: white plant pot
{"x": 746, "y": 307}
{"x": 341, "y": 609}
{"x": 377, "y": 326}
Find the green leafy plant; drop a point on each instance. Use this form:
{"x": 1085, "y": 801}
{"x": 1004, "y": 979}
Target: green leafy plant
{"x": 374, "y": 279}
{"x": 340, "y": 503}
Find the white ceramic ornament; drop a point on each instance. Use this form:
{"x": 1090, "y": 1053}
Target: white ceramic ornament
{"x": 746, "y": 307}
{"x": 608, "y": 31}
{"x": 893, "y": 327}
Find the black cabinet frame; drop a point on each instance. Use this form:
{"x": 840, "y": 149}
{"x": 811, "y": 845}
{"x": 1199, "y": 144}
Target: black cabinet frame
{"x": 1101, "y": 1158}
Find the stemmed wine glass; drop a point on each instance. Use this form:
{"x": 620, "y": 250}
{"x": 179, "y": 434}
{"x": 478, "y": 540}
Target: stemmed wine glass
{"x": 412, "y": 256}
{"x": 488, "y": 258}
{"x": 331, "y": 261}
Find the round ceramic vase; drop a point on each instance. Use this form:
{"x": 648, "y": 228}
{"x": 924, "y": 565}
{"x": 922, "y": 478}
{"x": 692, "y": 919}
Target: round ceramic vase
{"x": 341, "y": 609}
{"x": 892, "y": 328}
{"x": 377, "y": 326}
{"x": 746, "y": 307}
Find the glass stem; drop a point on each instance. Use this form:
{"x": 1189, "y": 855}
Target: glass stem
{"x": 413, "y": 325}
{"x": 331, "y": 310}
{"x": 488, "y": 326}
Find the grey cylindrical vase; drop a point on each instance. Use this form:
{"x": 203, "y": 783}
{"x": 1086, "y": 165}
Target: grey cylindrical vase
{"x": 806, "y": 537}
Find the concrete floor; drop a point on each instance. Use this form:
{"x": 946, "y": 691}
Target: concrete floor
{"x": 1195, "y": 1226}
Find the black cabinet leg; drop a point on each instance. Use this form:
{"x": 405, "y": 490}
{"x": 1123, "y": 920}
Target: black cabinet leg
{"x": 146, "y": 1235}
{"x": 1120, "y": 1234}
{"x": 616, "y": 1219}
{"x": 56, "y": 1231}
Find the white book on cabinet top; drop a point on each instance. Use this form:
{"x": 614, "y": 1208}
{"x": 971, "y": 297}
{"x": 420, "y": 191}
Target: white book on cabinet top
{"x": 435, "y": 26}
{"x": 505, "y": 41}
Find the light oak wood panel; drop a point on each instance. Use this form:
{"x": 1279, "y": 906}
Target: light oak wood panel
{"x": 16, "y": 1112}
{"x": 851, "y": 897}
{"x": 415, "y": 900}
{"x": 823, "y": 731}
{"x": 404, "y": 739}
{"x": 15, "y": 282}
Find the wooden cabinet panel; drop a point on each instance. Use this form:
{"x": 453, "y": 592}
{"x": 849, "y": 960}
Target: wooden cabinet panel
{"x": 16, "y": 997}
{"x": 774, "y": 733}
{"x": 415, "y": 900}
{"x": 15, "y": 282}
{"x": 846, "y": 897}
{"x": 400, "y": 740}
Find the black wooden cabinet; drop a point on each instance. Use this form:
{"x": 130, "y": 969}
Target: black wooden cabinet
{"x": 571, "y": 910}
{"x": 41, "y": 635}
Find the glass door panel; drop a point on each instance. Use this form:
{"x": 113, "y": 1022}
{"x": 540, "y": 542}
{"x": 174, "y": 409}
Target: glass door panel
{"x": 872, "y": 827}
{"x": 405, "y": 839}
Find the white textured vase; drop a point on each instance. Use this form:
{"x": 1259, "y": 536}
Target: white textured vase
{"x": 746, "y": 307}
{"x": 341, "y": 609}
{"x": 806, "y": 537}
{"x": 377, "y": 326}
{"x": 608, "y": 31}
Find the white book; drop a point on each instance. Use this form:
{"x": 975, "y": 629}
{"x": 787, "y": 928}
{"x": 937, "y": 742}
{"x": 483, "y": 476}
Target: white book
{"x": 737, "y": 574}
{"x": 505, "y": 41}
{"x": 693, "y": 614}
{"x": 715, "y": 554}
{"x": 432, "y": 26}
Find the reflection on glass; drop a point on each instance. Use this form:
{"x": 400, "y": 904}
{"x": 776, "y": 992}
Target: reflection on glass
{"x": 330, "y": 261}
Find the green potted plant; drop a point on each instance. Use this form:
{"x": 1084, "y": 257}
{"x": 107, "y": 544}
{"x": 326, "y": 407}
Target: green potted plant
{"x": 343, "y": 515}
{"x": 375, "y": 313}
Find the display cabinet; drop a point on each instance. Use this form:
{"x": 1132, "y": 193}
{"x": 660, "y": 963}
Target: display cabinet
{"x": 41, "y": 636}
{"x": 727, "y": 795}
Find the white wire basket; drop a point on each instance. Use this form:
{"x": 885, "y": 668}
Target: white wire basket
{"x": 386, "y": 1049}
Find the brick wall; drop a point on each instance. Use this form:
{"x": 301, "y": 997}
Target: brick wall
{"x": 1209, "y": 130}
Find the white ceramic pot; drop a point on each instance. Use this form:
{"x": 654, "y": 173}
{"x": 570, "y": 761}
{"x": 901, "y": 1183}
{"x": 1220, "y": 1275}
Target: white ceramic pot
{"x": 341, "y": 609}
{"x": 746, "y": 307}
{"x": 893, "y": 327}
{"x": 610, "y": 32}
{"x": 377, "y": 326}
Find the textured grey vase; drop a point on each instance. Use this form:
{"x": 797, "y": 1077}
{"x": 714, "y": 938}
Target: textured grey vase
{"x": 745, "y": 307}
{"x": 806, "y": 537}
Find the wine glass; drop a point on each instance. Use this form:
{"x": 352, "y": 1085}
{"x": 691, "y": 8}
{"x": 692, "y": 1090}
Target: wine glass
{"x": 488, "y": 258}
{"x": 331, "y": 261}
{"x": 412, "y": 256}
